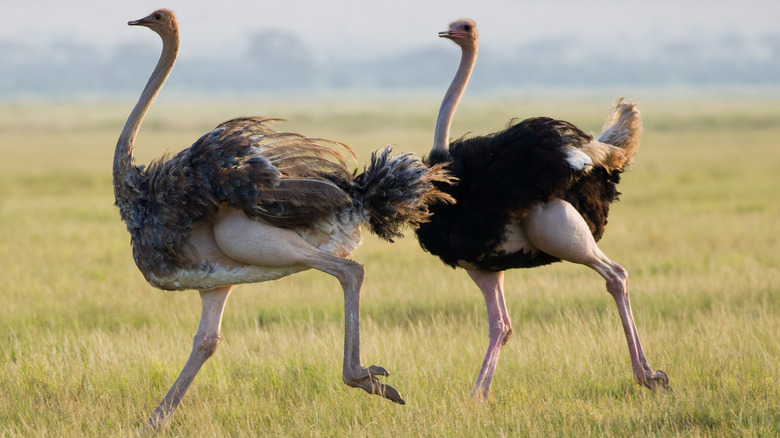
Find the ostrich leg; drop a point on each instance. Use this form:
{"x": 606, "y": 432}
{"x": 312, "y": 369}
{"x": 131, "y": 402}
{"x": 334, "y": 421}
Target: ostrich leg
{"x": 492, "y": 286}
{"x": 556, "y": 228}
{"x": 203, "y": 347}
{"x": 350, "y": 275}
{"x": 260, "y": 244}
{"x": 617, "y": 285}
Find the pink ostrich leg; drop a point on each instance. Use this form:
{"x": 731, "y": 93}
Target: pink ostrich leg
{"x": 492, "y": 286}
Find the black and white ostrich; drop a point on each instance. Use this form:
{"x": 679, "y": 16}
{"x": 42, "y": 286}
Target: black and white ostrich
{"x": 536, "y": 193}
{"x": 246, "y": 204}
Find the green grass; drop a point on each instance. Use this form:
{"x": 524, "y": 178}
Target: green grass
{"x": 87, "y": 348}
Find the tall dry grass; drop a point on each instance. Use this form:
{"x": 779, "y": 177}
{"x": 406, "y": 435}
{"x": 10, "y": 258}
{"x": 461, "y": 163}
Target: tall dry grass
{"x": 87, "y": 348}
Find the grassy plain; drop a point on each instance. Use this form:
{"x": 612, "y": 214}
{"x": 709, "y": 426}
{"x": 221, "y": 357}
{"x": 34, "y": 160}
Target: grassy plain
{"x": 87, "y": 348}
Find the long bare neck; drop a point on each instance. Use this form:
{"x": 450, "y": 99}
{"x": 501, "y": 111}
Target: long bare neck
{"x": 451, "y": 99}
{"x": 124, "y": 162}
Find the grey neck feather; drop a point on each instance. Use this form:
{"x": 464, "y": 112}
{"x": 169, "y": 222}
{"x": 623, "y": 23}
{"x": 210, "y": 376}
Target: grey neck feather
{"x": 452, "y": 97}
{"x": 123, "y": 155}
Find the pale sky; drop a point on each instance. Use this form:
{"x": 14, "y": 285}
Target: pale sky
{"x": 345, "y": 28}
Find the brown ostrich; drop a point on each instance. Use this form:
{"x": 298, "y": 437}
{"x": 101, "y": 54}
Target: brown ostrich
{"x": 246, "y": 204}
{"x": 533, "y": 194}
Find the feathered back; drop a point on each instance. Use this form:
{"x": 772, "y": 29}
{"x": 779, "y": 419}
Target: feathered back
{"x": 396, "y": 191}
{"x": 517, "y": 166}
{"x": 312, "y": 175}
{"x": 284, "y": 179}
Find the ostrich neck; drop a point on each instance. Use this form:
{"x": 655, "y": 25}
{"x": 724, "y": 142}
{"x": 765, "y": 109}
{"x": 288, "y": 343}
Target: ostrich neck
{"x": 451, "y": 99}
{"x": 124, "y": 164}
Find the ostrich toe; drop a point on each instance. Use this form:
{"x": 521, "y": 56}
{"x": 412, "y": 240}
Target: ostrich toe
{"x": 658, "y": 379}
{"x": 366, "y": 380}
{"x": 376, "y": 370}
{"x": 654, "y": 379}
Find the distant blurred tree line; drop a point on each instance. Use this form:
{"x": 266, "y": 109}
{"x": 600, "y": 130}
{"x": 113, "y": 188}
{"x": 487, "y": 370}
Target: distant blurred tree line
{"x": 278, "y": 61}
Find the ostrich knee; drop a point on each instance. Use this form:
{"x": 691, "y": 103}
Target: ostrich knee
{"x": 206, "y": 343}
{"x": 351, "y": 276}
{"x": 507, "y": 332}
{"x": 501, "y": 330}
{"x": 617, "y": 280}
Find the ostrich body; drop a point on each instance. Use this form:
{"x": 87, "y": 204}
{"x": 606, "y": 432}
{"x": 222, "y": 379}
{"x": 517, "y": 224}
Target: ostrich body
{"x": 246, "y": 204}
{"x": 536, "y": 193}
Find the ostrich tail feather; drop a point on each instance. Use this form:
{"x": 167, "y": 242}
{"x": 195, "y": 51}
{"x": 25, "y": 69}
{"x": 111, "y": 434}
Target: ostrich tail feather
{"x": 396, "y": 190}
{"x": 623, "y": 128}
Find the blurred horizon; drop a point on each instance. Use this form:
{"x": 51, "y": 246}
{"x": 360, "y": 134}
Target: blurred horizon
{"x": 54, "y": 50}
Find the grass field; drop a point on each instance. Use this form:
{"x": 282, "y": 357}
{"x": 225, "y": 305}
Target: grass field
{"x": 87, "y": 348}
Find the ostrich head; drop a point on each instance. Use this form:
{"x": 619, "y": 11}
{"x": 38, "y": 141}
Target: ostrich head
{"x": 161, "y": 21}
{"x": 463, "y": 32}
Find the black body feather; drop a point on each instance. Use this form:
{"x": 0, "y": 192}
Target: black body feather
{"x": 500, "y": 177}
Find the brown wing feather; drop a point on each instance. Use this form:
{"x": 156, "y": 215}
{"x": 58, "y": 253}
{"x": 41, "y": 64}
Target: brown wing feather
{"x": 313, "y": 175}
{"x": 299, "y": 202}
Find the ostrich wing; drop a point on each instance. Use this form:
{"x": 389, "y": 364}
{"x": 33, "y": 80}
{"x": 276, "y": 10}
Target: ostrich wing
{"x": 313, "y": 178}
{"x": 286, "y": 180}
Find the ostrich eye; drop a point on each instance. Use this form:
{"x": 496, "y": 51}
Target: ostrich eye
{"x": 467, "y": 28}
{"x": 158, "y": 16}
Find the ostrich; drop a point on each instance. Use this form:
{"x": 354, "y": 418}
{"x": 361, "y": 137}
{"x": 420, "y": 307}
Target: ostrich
{"x": 246, "y": 204}
{"x": 536, "y": 193}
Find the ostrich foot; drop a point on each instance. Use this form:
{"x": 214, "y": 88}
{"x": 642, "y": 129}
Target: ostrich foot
{"x": 654, "y": 380}
{"x": 159, "y": 420}
{"x": 365, "y": 379}
{"x": 480, "y": 394}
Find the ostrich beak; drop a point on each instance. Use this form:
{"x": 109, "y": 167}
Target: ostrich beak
{"x": 445, "y": 34}
{"x": 142, "y": 22}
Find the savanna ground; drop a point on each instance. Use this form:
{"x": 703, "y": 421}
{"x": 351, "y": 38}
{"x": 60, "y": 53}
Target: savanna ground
{"x": 87, "y": 348}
